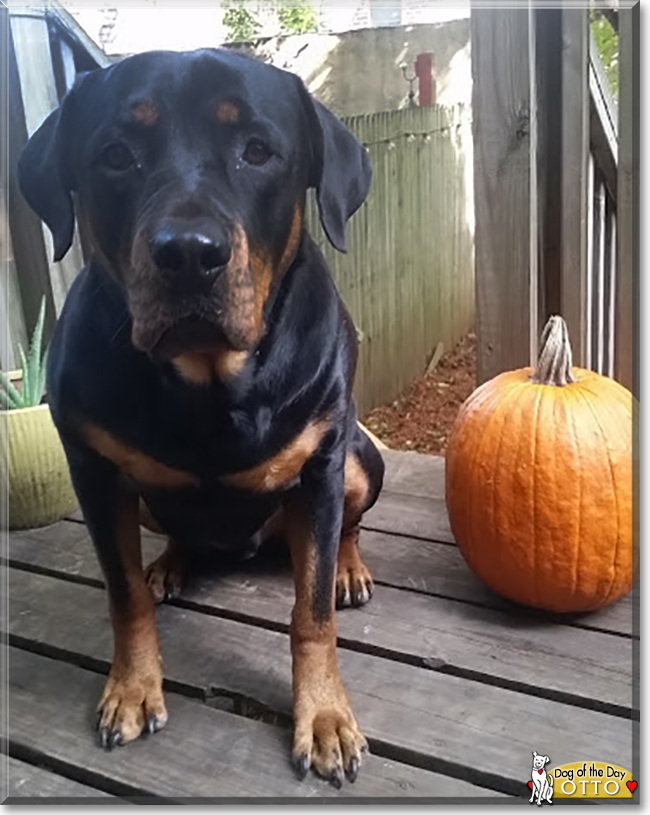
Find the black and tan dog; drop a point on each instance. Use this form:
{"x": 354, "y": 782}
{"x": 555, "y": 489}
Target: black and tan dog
{"x": 200, "y": 373}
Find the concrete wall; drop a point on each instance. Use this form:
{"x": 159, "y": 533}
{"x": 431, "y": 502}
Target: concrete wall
{"x": 360, "y": 71}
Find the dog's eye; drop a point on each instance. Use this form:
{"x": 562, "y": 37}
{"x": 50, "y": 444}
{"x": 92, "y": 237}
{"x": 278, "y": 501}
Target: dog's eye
{"x": 117, "y": 157}
{"x": 256, "y": 153}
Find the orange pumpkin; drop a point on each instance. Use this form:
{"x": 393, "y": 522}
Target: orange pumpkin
{"x": 539, "y": 483}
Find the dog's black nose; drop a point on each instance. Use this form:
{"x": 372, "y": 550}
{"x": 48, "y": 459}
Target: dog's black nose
{"x": 191, "y": 258}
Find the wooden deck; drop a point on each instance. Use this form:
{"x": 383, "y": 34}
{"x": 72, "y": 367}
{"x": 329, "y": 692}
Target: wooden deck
{"x": 453, "y": 686}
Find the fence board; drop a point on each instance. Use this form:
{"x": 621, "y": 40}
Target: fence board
{"x": 30, "y": 281}
{"x": 39, "y": 92}
{"x": 408, "y": 276}
{"x": 11, "y": 312}
{"x": 545, "y": 142}
{"x": 575, "y": 155}
{"x": 627, "y": 280}
{"x": 501, "y": 106}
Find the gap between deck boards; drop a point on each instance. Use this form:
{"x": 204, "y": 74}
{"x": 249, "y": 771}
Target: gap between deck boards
{"x": 421, "y": 567}
{"x": 527, "y": 654}
{"x": 246, "y": 650}
{"x": 417, "y": 660}
{"x": 236, "y": 755}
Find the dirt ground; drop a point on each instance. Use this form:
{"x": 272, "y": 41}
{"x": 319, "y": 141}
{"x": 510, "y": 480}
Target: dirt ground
{"x": 421, "y": 417}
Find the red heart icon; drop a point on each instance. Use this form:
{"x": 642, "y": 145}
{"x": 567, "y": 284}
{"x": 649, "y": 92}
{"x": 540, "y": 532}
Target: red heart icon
{"x": 530, "y": 784}
{"x": 540, "y": 771}
{"x": 632, "y": 785}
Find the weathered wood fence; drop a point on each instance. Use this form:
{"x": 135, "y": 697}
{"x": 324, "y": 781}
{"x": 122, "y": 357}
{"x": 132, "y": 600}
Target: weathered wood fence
{"x": 602, "y": 195}
{"x": 407, "y": 278}
{"x": 41, "y": 49}
{"x": 556, "y": 165}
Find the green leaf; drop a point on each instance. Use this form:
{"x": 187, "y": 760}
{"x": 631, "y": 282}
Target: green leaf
{"x": 25, "y": 384}
{"x": 34, "y": 357}
{"x": 5, "y": 402}
{"x": 10, "y": 391}
{"x": 239, "y": 21}
{"x": 298, "y": 18}
{"x": 607, "y": 43}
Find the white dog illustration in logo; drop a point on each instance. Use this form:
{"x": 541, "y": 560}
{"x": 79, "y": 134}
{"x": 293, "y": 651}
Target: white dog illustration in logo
{"x": 542, "y": 781}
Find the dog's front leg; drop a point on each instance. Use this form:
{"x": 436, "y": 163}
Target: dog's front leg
{"x": 132, "y": 700}
{"x": 326, "y": 735}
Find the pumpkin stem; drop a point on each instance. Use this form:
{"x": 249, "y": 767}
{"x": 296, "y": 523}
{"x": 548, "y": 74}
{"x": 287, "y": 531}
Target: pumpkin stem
{"x": 554, "y": 364}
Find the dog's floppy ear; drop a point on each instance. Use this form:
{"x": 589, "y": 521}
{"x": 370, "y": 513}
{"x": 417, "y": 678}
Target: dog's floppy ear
{"x": 44, "y": 179}
{"x": 341, "y": 169}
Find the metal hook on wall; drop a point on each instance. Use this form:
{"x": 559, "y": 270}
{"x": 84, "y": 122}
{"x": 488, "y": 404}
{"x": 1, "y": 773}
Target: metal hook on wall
{"x": 411, "y": 96}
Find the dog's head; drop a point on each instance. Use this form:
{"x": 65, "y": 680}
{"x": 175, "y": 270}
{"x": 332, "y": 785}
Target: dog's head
{"x": 191, "y": 172}
{"x": 539, "y": 762}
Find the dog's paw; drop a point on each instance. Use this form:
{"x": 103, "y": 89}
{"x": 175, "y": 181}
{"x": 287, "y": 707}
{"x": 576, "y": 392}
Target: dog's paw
{"x": 331, "y": 743}
{"x": 164, "y": 576}
{"x": 354, "y": 584}
{"x": 130, "y": 705}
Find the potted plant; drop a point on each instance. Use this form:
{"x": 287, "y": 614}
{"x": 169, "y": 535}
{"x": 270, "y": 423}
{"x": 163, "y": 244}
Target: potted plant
{"x": 33, "y": 465}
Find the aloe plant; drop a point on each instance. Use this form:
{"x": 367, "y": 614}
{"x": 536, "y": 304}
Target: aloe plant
{"x": 34, "y": 366}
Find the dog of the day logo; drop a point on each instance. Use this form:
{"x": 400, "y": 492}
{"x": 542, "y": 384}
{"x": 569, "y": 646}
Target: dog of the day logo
{"x": 581, "y": 780}
{"x": 541, "y": 783}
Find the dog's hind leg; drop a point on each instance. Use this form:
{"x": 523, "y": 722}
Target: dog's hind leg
{"x": 354, "y": 584}
{"x": 165, "y": 574}
{"x": 364, "y": 472}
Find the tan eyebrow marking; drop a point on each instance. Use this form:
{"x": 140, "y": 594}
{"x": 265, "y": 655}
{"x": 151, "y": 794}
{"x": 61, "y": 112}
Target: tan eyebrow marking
{"x": 146, "y": 113}
{"x": 228, "y": 113}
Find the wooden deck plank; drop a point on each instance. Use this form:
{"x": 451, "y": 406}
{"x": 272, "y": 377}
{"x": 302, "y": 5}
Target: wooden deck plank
{"x": 441, "y": 718}
{"x": 412, "y": 501}
{"x": 453, "y": 636}
{"x": 27, "y": 781}
{"x": 414, "y": 474}
{"x": 422, "y": 566}
{"x": 450, "y": 635}
{"x": 413, "y": 515}
{"x": 202, "y": 752}
{"x": 435, "y": 568}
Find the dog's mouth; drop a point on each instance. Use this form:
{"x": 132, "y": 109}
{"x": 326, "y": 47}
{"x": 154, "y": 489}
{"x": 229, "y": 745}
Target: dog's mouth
{"x": 166, "y": 330}
{"x": 191, "y": 334}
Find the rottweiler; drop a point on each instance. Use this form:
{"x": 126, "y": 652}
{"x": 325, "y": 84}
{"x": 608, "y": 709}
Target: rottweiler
{"x": 200, "y": 374}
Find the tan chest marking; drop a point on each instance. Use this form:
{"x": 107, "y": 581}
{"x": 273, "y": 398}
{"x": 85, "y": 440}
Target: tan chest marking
{"x": 279, "y": 470}
{"x": 134, "y": 463}
{"x": 202, "y": 367}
